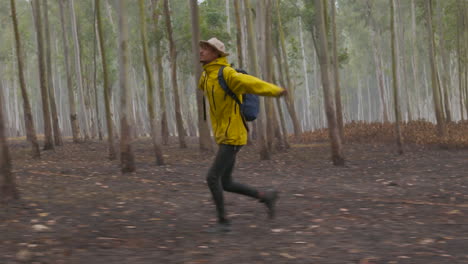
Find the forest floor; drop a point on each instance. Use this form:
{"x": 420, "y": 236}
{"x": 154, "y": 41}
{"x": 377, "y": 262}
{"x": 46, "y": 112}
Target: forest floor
{"x": 76, "y": 207}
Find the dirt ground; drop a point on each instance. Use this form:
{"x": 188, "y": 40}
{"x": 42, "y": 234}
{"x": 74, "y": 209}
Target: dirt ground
{"x": 77, "y": 207}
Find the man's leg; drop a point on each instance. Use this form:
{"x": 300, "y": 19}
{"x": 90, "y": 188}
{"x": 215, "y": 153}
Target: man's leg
{"x": 269, "y": 197}
{"x": 228, "y": 184}
{"x": 224, "y": 154}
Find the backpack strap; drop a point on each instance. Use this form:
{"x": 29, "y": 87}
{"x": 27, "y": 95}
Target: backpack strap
{"x": 204, "y": 108}
{"x": 223, "y": 84}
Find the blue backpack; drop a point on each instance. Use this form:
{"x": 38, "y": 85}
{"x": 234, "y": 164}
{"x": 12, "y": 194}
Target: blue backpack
{"x": 250, "y": 105}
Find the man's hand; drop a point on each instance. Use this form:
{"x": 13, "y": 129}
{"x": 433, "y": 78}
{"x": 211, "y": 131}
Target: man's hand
{"x": 284, "y": 92}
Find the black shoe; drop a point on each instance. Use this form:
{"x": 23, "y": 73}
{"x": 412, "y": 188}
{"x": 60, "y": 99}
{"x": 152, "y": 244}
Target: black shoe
{"x": 269, "y": 199}
{"x": 220, "y": 227}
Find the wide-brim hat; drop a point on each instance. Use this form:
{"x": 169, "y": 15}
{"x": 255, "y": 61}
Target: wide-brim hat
{"x": 217, "y": 45}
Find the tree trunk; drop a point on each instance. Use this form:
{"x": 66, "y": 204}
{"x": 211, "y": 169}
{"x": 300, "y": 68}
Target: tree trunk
{"x": 321, "y": 46}
{"x": 159, "y": 70}
{"x": 127, "y": 158}
{"x": 445, "y": 71}
{"x": 291, "y": 89}
{"x": 79, "y": 76}
{"x": 338, "y": 105}
{"x": 48, "y": 137}
{"x": 8, "y": 190}
{"x": 107, "y": 88}
{"x": 173, "y": 59}
{"x": 460, "y": 54}
{"x": 53, "y": 106}
{"x": 464, "y": 10}
{"x": 395, "y": 79}
{"x": 96, "y": 50}
{"x": 402, "y": 71}
{"x": 205, "y": 141}
{"x": 436, "y": 95}
{"x": 240, "y": 60}
{"x": 379, "y": 74}
{"x": 459, "y": 59}
{"x": 28, "y": 118}
{"x": 71, "y": 94}
{"x": 268, "y": 60}
{"x": 228, "y": 18}
{"x": 278, "y": 102}
{"x": 150, "y": 86}
{"x": 414, "y": 54}
{"x": 253, "y": 63}
{"x": 307, "y": 99}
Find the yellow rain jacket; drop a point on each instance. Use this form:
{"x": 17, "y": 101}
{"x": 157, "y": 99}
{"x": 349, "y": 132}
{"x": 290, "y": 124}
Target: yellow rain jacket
{"x": 226, "y": 119}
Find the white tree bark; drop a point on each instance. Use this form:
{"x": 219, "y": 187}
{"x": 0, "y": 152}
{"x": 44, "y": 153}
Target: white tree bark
{"x": 306, "y": 79}
{"x": 79, "y": 77}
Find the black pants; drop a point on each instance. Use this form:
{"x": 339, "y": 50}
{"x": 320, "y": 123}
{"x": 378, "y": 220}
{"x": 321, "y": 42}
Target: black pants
{"x": 220, "y": 177}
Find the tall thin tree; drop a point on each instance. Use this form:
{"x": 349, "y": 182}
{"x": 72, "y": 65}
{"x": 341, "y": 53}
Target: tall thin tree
{"x": 240, "y": 60}
{"x": 95, "y": 55}
{"x": 396, "y": 99}
{"x": 336, "y": 73}
{"x": 415, "y": 53}
{"x": 8, "y": 190}
{"x": 48, "y": 137}
{"x": 150, "y": 86}
{"x": 127, "y": 157}
{"x": 291, "y": 89}
{"x": 28, "y": 117}
{"x": 205, "y": 141}
{"x": 75, "y": 126}
{"x": 79, "y": 75}
{"x": 173, "y": 59}
{"x": 105, "y": 75}
{"x": 254, "y": 68}
{"x": 50, "y": 82}
{"x": 268, "y": 63}
{"x": 321, "y": 46}
{"x": 436, "y": 92}
{"x": 159, "y": 70}
{"x": 445, "y": 66}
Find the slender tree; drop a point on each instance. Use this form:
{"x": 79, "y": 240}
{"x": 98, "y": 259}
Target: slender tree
{"x": 291, "y": 89}
{"x": 75, "y": 126}
{"x": 463, "y": 12}
{"x": 95, "y": 55}
{"x": 321, "y": 47}
{"x": 402, "y": 70}
{"x": 278, "y": 102}
{"x": 461, "y": 65}
{"x": 253, "y": 63}
{"x": 240, "y": 60}
{"x": 375, "y": 34}
{"x": 28, "y": 117}
{"x": 205, "y": 142}
{"x": 268, "y": 62}
{"x": 159, "y": 69}
{"x": 105, "y": 75}
{"x": 396, "y": 99}
{"x": 150, "y": 86}
{"x": 173, "y": 59}
{"x": 79, "y": 76}
{"x": 8, "y": 190}
{"x": 415, "y": 53}
{"x": 50, "y": 82}
{"x": 127, "y": 158}
{"x": 338, "y": 105}
{"x": 436, "y": 92}
{"x": 445, "y": 66}
{"x": 48, "y": 137}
